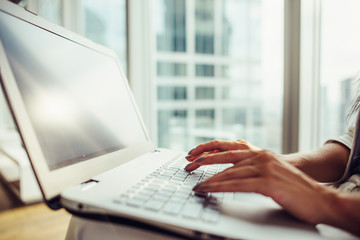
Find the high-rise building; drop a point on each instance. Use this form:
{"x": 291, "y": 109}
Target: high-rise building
{"x": 209, "y": 73}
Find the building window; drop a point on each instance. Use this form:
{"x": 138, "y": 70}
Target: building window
{"x": 205, "y": 93}
{"x": 228, "y": 75}
{"x": 205, "y": 118}
{"x": 234, "y": 119}
{"x": 173, "y": 125}
{"x": 204, "y": 26}
{"x": 171, "y": 28}
{"x": 211, "y": 66}
{"x": 169, "y": 69}
{"x": 105, "y": 23}
{"x": 205, "y": 70}
{"x": 171, "y": 93}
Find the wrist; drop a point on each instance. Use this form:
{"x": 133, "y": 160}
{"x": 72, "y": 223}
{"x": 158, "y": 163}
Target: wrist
{"x": 298, "y": 160}
{"x": 331, "y": 211}
{"x": 340, "y": 211}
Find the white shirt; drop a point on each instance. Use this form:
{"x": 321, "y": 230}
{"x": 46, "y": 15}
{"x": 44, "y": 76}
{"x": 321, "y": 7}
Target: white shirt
{"x": 352, "y": 180}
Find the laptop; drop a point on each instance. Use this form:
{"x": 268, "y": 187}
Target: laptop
{"x": 91, "y": 153}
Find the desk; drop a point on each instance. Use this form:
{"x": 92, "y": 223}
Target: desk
{"x": 34, "y": 222}
{"x": 39, "y": 222}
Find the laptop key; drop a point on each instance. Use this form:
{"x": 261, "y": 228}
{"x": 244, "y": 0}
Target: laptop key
{"x": 154, "y": 205}
{"x": 173, "y": 208}
{"x": 169, "y": 191}
{"x": 120, "y": 199}
{"x": 135, "y": 202}
{"x": 192, "y": 210}
{"x": 210, "y": 215}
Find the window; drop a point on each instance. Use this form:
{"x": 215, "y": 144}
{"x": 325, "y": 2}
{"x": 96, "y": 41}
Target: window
{"x": 104, "y": 22}
{"x": 171, "y": 93}
{"x": 205, "y": 119}
{"x": 50, "y": 10}
{"x": 204, "y": 26}
{"x": 339, "y": 64}
{"x": 205, "y": 70}
{"x": 221, "y": 62}
{"x": 205, "y": 93}
{"x": 172, "y": 121}
{"x": 214, "y": 68}
{"x": 172, "y": 30}
{"x": 168, "y": 69}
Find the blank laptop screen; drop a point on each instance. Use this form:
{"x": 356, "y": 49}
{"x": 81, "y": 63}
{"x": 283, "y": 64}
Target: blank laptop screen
{"x": 76, "y": 98}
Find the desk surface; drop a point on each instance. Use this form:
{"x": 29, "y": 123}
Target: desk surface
{"x": 39, "y": 222}
{"x": 34, "y": 222}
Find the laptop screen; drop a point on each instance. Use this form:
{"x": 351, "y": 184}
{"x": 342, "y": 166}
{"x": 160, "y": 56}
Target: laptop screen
{"x": 75, "y": 96}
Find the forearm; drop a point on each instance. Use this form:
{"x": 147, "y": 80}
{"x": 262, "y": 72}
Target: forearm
{"x": 325, "y": 164}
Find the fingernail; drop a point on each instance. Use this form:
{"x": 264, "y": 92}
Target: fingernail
{"x": 196, "y": 186}
{"x": 200, "y": 159}
{"x": 188, "y": 156}
{"x": 187, "y": 166}
{"x": 200, "y": 187}
{"x": 191, "y": 151}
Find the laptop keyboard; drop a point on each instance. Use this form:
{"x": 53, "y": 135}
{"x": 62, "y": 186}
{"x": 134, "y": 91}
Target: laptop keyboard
{"x": 169, "y": 190}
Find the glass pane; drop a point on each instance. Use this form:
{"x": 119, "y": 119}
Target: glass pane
{"x": 205, "y": 93}
{"x": 204, "y": 26}
{"x": 205, "y": 118}
{"x": 234, "y": 119}
{"x": 236, "y": 91}
{"x": 340, "y": 62}
{"x": 104, "y": 22}
{"x": 235, "y": 14}
{"x": 170, "y": 25}
{"x": 50, "y": 10}
{"x": 205, "y": 70}
{"x": 168, "y": 69}
{"x": 173, "y": 126}
{"x": 172, "y": 93}
{"x": 235, "y": 71}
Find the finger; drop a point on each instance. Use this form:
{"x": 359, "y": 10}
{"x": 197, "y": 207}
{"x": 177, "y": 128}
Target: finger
{"x": 238, "y": 185}
{"x": 192, "y": 158}
{"x": 221, "y": 145}
{"x": 234, "y": 173}
{"x": 220, "y": 158}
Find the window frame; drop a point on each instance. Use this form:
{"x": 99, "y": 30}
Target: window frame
{"x": 309, "y": 117}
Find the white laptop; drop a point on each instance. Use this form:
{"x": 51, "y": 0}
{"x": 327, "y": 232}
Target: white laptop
{"x": 90, "y": 151}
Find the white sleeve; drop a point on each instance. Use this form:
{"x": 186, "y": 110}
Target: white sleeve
{"x": 346, "y": 139}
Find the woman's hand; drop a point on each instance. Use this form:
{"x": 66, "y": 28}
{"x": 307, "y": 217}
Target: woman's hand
{"x": 225, "y": 148}
{"x": 283, "y": 178}
{"x": 264, "y": 172}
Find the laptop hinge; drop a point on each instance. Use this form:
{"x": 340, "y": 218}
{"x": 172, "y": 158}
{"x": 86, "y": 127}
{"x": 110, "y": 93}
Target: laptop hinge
{"x": 54, "y": 203}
